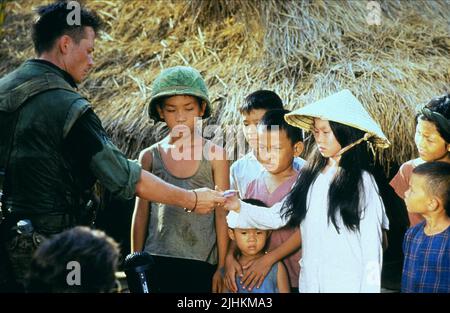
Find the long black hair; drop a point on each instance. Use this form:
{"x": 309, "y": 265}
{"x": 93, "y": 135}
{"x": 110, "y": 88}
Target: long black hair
{"x": 346, "y": 188}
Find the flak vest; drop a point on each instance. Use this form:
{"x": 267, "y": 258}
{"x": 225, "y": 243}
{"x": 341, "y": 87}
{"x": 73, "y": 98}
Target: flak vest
{"x": 38, "y": 180}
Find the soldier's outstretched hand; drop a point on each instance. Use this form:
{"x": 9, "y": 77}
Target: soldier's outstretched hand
{"x": 208, "y": 200}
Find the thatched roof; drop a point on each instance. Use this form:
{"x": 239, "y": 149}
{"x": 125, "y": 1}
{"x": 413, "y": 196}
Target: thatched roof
{"x": 304, "y": 50}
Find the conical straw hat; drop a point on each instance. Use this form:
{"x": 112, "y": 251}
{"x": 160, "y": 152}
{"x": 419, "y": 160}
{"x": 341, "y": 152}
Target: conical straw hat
{"x": 341, "y": 107}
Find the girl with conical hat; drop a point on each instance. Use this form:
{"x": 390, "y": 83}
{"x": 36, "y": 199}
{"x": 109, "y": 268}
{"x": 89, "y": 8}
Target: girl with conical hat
{"x": 432, "y": 140}
{"x": 335, "y": 199}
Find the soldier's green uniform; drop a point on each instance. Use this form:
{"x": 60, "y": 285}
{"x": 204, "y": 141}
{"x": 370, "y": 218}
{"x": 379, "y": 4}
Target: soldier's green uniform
{"x": 59, "y": 150}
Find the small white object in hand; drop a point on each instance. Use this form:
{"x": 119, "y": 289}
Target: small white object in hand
{"x": 229, "y": 193}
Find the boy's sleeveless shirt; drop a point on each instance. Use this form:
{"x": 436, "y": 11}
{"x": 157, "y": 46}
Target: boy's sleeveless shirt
{"x": 174, "y": 233}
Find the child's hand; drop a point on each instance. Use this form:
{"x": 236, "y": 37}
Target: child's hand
{"x": 232, "y": 202}
{"x": 217, "y": 282}
{"x": 255, "y": 272}
{"x": 208, "y": 200}
{"x": 232, "y": 268}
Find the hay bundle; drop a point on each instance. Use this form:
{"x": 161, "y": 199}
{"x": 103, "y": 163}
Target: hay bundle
{"x": 303, "y": 50}
{"x": 312, "y": 49}
{"x": 204, "y": 12}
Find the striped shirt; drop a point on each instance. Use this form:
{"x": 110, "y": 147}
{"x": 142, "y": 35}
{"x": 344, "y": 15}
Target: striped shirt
{"x": 427, "y": 261}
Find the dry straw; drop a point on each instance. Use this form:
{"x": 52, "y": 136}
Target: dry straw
{"x": 304, "y": 50}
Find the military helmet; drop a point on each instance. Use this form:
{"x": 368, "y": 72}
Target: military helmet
{"x": 178, "y": 80}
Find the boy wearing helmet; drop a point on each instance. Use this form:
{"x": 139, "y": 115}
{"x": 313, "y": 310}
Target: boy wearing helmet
{"x": 189, "y": 249}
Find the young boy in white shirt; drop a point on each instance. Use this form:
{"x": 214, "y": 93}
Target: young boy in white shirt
{"x": 246, "y": 169}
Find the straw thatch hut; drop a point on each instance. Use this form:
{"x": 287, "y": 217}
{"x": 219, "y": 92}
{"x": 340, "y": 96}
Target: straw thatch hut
{"x": 393, "y": 59}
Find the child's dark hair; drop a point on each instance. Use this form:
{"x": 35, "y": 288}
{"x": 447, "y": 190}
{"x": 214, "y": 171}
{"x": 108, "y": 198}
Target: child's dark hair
{"x": 255, "y": 202}
{"x": 54, "y": 23}
{"x": 276, "y": 118}
{"x": 439, "y": 105}
{"x": 97, "y": 256}
{"x": 261, "y": 99}
{"x": 345, "y": 190}
{"x": 438, "y": 180}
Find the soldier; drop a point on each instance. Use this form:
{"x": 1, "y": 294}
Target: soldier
{"x": 53, "y": 147}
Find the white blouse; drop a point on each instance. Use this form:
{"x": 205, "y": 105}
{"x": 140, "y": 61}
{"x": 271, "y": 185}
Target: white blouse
{"x": 349, "y": 261}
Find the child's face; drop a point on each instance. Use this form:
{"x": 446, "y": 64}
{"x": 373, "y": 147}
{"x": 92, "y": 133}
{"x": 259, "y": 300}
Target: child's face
{"x": 325, "y": 139}
{"x": 250, "y": 121}
{"x": 181, "y": 111}
{"x": 249, "y": 241}
{"x": 417, "y": 198}
{"x": 431, "y": 146}
{"x": 275, "y": 150}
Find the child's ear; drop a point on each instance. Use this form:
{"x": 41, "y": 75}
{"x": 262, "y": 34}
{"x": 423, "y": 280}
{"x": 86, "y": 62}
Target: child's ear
{"x": 160, "y": 112}
{"x": 433, "y": 204}
{"x": 203, "y": 108}
{"x": 298, "y": 148}
{"x": 231, "y": 234}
